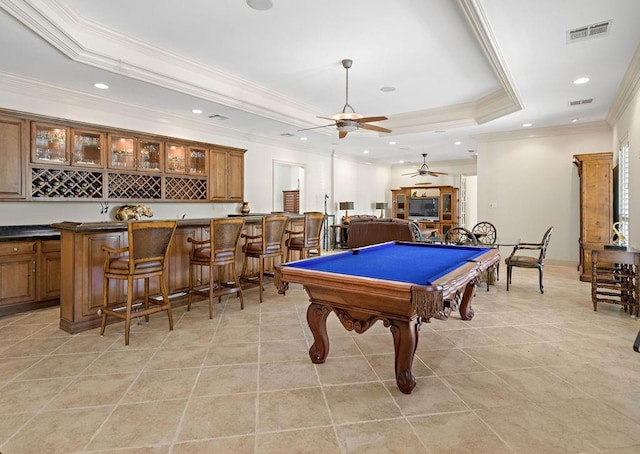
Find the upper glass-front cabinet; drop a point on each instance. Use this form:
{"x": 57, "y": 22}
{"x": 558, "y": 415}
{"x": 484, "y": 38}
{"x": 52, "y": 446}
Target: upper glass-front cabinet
{"x": 198, "y": 161}
{"x": 87, "y": 148}
{"x": 129, "y": 153}
{"x": 447, "y": 206}
{"x": 50, "y": 144}
{"x": 176, "y": 158}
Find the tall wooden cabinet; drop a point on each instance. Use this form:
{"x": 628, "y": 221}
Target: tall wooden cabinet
{"x": 596, "y": 206}
{"x": 448, "y": 214}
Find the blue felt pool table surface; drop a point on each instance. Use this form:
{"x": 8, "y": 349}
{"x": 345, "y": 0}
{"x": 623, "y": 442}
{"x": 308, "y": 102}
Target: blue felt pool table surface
{"x": 415, "y": 263}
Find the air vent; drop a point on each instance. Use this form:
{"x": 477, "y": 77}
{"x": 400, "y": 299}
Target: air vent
{"x": 218, "y": 117}
{"x": 287, "y": 134}
{"x": 588, "y": 31}
{"x": 579, "y": 102}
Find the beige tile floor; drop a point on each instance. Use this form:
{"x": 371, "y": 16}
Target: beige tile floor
{"x": 530, "y": 373}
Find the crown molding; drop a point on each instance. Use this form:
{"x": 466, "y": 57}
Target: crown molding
{"x": 534, "y": 133}
{"x": 90, "y": 43}
{"x": 628, "y": 89}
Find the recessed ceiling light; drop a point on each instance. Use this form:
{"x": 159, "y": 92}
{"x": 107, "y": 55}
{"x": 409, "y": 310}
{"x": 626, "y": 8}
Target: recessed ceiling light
{"x": 581, "y": 80}
{"x": 303, "y": 138}
{"x": 196, "y": 111}
{"x": 260, "y": 5}
{"x": 401, "y": 161}
{"x": 574, "y": 120}
{"x": 457, "y": 142}
{"x": 101, "y": 86}
{"x": 388, "y": 89}
{"x": 526, "y": 125}
{"x": 393, "y": 142}
{"x": 366, "y": 151}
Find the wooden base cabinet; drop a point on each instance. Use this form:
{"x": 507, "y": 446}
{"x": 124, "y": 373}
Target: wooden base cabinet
{"x": 596, "y": 206}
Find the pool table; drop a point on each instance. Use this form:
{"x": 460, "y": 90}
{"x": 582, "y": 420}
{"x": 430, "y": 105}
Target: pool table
{"x": 401, "y": 283}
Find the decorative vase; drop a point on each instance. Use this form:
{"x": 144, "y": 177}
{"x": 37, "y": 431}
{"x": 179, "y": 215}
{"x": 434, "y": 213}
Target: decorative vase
{"x": 244, "y": 209}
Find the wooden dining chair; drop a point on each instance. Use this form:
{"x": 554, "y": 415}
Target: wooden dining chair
{"x": 144, "y": 257}
{"x": 486, "y": 234}
{"x": 217, "y": 253}
{"x": 308, "y": 239}
{"x": 526, "y": 261}
{"x": 268, "y": 244}
{"x": 460, "y": 236}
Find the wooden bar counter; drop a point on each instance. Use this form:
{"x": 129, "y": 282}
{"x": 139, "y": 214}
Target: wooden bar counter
{"x": 82, "y": 261}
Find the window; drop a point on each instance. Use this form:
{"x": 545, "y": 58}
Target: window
{"x": 623, "y": 189}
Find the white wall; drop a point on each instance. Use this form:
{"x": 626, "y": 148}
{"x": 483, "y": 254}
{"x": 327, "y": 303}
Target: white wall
{"x": 528, "y": 183}
{"x": 627, "y": 127}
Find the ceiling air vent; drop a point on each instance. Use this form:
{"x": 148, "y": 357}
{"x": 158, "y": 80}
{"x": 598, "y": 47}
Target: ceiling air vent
{"x": 218, "y": 117}
{"x": 287, "y": 134}
{"x": 588, "y": 31}
{"x": 579, "y": 102}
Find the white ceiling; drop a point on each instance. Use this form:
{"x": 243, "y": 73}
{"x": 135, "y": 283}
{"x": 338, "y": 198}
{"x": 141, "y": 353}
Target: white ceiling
{"x": 460, "y": 67}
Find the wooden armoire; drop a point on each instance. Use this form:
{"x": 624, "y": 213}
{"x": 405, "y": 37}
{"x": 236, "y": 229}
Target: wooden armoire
{"x": 596, "y": 206}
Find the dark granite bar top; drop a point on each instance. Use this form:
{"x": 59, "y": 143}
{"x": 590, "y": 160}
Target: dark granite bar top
{"x": 28, "y": 232}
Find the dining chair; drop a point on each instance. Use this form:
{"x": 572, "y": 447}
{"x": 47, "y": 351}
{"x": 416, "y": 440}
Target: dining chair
{"x": 486, "y": 234}
{"x": 143, "y": 258}
{"x": 615, "y": 279}
{"x": 527, "y": 261}
{"x": 308, "y": 239}
{"x": 460, "y": 236}
{"x": 268, "y": 244}
{"x": 217, "y": 253}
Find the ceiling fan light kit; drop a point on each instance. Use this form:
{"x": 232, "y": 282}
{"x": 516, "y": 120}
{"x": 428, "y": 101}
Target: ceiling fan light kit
{"x": 349, "y": 120}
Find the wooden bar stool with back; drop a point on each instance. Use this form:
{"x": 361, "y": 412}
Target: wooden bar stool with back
{"x": 146, "y": 254}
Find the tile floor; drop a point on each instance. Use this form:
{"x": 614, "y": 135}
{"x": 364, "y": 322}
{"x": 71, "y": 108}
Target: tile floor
{"x": 530, "y": 373}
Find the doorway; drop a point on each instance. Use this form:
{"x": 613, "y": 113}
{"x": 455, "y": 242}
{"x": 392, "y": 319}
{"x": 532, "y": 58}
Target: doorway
{"x": 287, "y": 176}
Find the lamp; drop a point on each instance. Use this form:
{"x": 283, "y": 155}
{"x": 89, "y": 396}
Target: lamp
{"x": 346, "y": 206}
{"x": 381, "y": 206}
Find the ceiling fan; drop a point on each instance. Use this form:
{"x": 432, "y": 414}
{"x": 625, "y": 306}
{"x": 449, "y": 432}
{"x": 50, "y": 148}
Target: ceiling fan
{"x": 348, "y": 120}
{"x": 423, "y": 170}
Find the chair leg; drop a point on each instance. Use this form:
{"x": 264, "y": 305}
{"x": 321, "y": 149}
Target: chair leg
{"x": 105, "y": 304}
{"x": 236, "y": 281}
{"x": 219, "y": 282}
{"x": 165, "y": 300}
{"x": 189, "y": 294}
{"x": 260, "y": 275}
{"x": 540, "y": 272}
{"x": 146, "y": 298}
{"x": 127, "y": 315}
{"x": 508, "y": 276}
{"x": 212, "y": 282}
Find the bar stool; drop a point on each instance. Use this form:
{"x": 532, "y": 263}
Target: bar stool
{"x": 307, "y": 239}
{"x": 218, "y": 252}
{"x": 146, "y": 257}
{"x": 268, "y": 244}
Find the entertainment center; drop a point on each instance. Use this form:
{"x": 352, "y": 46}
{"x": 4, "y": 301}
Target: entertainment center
{"x": 433, "y": 207}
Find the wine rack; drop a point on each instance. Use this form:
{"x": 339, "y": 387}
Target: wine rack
{"x": 131, "y": 186}
{"x": 80, "y": 184}
{"x": 178, "y": 188}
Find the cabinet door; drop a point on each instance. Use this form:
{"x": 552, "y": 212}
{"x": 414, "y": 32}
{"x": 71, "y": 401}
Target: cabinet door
{"x": 218, "y": 175}
{"x": 17, "y": 279}
{"x": 87, "y": 148}
{"x": 398, "y": 200}
{"x": 50, "y": 144}
{"x": 49, "y": 270}
{"x": 122, "y": 152}
{"x": 447, "y": 207}
{"x": 198, "y": 163}
{"x": 14, "y": 138}
{"x": 150, "y": 155}
{"x": 235, "y": 176}
{"x": 176, "y": 159}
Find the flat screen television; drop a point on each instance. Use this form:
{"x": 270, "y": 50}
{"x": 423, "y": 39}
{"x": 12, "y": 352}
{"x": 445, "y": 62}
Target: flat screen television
{"x": 424, "y": 208}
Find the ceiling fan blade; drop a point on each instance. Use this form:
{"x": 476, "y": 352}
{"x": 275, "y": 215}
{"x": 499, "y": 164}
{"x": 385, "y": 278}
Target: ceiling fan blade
{"x": 370, "y": 119}
{"x": 435, "y": 174}
{"x": 325, "y": 118}
{"x": 373, "y": 127}
{"x": 411, "y": 173}
{"x": 316, "y": 127}
{"x": 342, "y": 134}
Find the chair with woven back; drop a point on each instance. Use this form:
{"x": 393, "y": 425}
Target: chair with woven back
{"x": 527, "y": 261}
{"x": 308, "y": 239}
{"x": 268, "y": 244}
{"x": 216, "y": 253}
{"x": 144, "y": 257}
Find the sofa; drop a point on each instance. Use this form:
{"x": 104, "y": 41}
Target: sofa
{"x": 371, "y": 230}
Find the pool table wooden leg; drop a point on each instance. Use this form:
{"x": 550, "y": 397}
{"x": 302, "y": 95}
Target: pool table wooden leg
{"x": 466, "y": 311}
{"x": 317, "y": 319}
{"x": 405, "y": 341}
